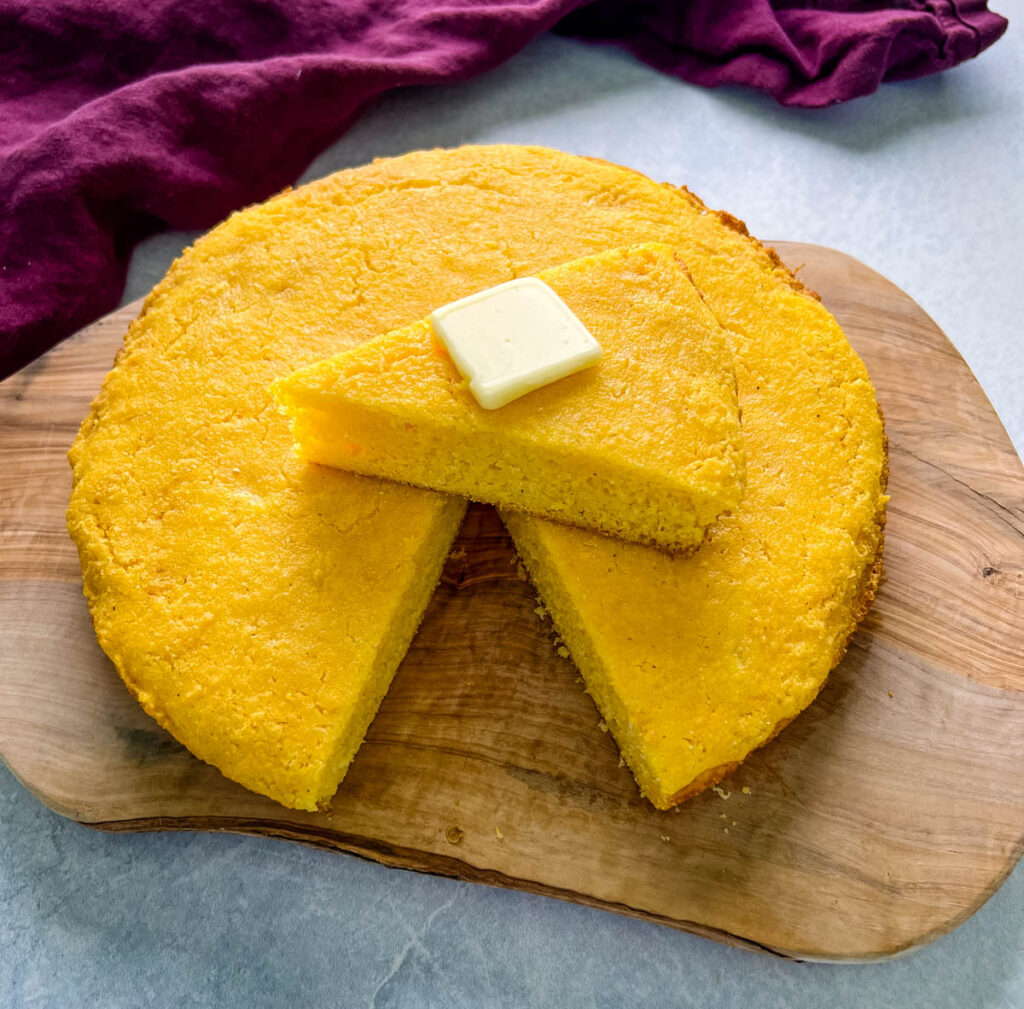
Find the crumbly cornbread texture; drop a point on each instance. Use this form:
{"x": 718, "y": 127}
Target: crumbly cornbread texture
{"x": 645, "y": 446}
{"x": 257, "y": 606}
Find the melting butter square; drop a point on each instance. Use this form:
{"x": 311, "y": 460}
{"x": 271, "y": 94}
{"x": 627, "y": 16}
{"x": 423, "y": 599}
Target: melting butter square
{"x": 513, "y": 338}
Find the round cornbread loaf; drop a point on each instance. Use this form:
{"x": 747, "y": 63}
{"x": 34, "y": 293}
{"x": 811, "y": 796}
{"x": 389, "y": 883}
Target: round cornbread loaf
{"x": 258, "y": 607}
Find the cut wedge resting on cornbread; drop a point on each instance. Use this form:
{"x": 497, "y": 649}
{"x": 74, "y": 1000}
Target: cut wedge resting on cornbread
{"x": 645, "y": 446}
{"x": 258, "y": 606}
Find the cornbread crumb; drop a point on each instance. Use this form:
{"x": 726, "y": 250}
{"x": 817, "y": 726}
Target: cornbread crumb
{"x": 563, "y": 651}
{"x": 720, "y": 792}
{"x": 498, "y": 834}
{"x": 746, "y": 790}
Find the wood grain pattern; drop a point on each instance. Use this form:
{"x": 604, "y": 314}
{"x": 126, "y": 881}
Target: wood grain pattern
{"x": 882, "y": 817}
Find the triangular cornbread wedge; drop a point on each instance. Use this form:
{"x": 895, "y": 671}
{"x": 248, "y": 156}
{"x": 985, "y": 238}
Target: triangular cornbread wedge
{"x": 645, "y": 446}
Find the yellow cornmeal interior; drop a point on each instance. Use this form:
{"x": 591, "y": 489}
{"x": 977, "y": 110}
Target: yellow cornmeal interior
{"x": 645, "y": 446}
{"x": 244, "y": 597}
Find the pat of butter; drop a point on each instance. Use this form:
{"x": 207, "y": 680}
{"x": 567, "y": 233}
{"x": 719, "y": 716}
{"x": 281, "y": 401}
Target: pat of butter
{"x": 513, "y": 338}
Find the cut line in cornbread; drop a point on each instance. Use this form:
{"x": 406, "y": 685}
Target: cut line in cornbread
{"x": 644, "y": 446}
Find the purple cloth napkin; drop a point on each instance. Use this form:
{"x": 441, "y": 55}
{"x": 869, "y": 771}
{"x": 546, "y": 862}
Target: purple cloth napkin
{"x": 119, "y": 118}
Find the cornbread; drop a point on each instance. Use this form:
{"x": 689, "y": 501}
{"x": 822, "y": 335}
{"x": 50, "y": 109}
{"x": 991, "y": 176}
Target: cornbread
{"x": 257, "y": 606}
{"x": 645, "y": 446}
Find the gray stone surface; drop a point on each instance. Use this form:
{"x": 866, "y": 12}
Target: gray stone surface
{"x": 922, "y": 181}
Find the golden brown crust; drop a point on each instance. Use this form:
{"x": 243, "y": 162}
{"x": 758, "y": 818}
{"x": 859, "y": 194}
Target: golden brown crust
{"x": 740, "y": 227}
{"x": 703, "y": 781}
{"x": 714, "y": 775}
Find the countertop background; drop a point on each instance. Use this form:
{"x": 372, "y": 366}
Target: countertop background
{"x": 923, "y": 181}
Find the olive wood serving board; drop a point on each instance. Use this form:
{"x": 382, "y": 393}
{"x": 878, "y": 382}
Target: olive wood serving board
{"x": 881, "y": 818}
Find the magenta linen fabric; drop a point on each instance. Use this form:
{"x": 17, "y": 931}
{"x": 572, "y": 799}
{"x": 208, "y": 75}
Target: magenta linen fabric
{"x": 121, "y": 117}
{"x": 808, "y": 54}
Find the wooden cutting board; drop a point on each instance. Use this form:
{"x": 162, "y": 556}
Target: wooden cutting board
{"x": 885, "y": 815}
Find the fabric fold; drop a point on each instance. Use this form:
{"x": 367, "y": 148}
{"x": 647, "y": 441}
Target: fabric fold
{"x": 119, "y": 119}
{"x": 808, "y": 55}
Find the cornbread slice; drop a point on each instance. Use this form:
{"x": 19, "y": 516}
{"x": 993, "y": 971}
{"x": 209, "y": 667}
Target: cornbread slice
{"x": 695, "y": 661}
{"x": 645, "y": 446}
{"x": 244, "y": 596}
